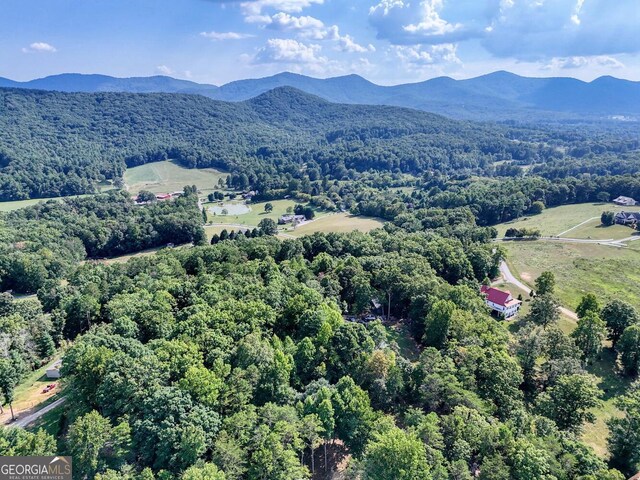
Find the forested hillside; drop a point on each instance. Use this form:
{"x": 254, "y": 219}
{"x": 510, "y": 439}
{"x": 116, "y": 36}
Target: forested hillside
{"x": 46, "y": 241}
{"x": 56, "y": 144}
{"x": 234, "y": 362}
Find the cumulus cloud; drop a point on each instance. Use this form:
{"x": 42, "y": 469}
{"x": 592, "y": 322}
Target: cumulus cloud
{"x": 534, "y": 29}
{"x": 289, "y": 51}
{"x": 39, "y": 47}
{"x": 225, "y": 35}
{"x": 307, "y": 27}
{"x": 404, "y": 22}
{"x": 256, "y": 8}
{"x": 164, "y": 70}
{"x": 580, "y": 62}
{"x": 421, "y": 56}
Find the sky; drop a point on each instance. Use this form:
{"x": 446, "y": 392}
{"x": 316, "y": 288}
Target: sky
{"x": 385, "y": 41}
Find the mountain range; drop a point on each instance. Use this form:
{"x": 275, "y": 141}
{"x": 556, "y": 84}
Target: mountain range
{"x": 496, "y": 96}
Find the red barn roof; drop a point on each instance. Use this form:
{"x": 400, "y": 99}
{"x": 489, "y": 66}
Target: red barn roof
{"x": 497, "y": 296}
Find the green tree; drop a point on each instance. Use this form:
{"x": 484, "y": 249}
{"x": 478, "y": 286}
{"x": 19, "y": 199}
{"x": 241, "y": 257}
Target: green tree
{"x": 268, "y": 207}
{"x": 545, "y": 283}
{"x": 537, "y": 208}
{"x": 629, "y": 349}
{"x": 438, "y": 323}
{"x": 618, "y": 315}
{"x": 268, "y": 227}
{"x": 10, "y": 374}
{"x": 205, "y": 471}
{"x": 624, "y": 436}
{"x": 544, "y": 311}
{"x": 397, "y": 455}
{"x": 96, "y": 445}
{"x": 607, "y": 218}
{"x": 588, "y": 303}
{"x": 589, "y": 335}
{"x": 569, "y": 402}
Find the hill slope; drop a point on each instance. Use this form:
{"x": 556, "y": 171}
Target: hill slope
{"x": 54, "y": 143}
{"x": 497, "y": 96}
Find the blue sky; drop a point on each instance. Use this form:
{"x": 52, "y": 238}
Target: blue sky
{"x": 386, "y": 41}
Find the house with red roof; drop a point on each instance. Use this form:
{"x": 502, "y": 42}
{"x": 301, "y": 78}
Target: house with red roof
{"x": 500, "y": 301}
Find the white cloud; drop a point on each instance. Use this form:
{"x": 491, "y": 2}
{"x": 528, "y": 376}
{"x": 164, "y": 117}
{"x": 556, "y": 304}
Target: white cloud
{"x": 164, "y": 70}
{"x": 225, "y": 35}
{"x": 257, "y": 7}
{"x": 348, "y": 44}
{"x": 581, "y": 62}
{"x": 421, "y": 56}
{"x": 405, "y": 22}
{"x": 307, "y": 27}
{"x": 39, "y": 47}
{"x": 310, "y": 26}
{"x": 536, "y": 30}
{"x": 289, "y": 51}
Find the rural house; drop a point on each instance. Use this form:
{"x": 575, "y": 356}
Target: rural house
{"x": 627, "y": 218}
{"x": 501, "y": 301}
{"x": 625, "y": 201}
{"x": 295, "y": 219}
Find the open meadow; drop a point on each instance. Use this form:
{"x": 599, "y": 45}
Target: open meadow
{"x": 168, "y": 176}
{"x": 580, "y": 268}
{"x": 339, "y": 222}
{"x": 249, "y": 215}
{"x": 581, "y": 220}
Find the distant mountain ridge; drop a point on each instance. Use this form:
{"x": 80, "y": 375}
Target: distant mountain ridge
{"x": 496, "y": 96}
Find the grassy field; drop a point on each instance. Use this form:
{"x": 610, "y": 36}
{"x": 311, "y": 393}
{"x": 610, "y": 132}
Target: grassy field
{"x": 554, "y": 221}
{"x": 339, "y": 222}
{"x": 10, "y": 206}
{"x": 28, "y": 394}
{"x": 579, "y": 269}
{"x": 167, "y": 176}
{"x": 253, "y": 217}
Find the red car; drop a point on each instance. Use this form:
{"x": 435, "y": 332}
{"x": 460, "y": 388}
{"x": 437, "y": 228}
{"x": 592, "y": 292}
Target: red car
{"x": 49, "y": 387}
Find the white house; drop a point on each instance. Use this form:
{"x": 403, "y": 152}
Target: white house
{"x": 501, "y": 301}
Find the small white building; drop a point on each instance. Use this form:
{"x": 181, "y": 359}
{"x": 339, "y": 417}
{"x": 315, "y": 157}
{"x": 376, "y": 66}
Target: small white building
{"x": 625, "y": 201}
{"x": 54, "y": 370}
{"x": 501, "y": 301}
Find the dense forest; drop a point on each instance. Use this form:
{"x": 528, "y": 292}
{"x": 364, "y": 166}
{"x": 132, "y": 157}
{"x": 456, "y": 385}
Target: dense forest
{"x": 59, "y": 144}
{"x": 234, "y": 361}
{"x": 252, "y": 357}
{"x": 47, "y": 240}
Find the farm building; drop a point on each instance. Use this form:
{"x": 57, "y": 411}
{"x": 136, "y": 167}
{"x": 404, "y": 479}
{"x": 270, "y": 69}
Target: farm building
{"x": 501, "y": 301}
{"x": 54, "y": 370}
{"x": 295, "y": 219}
{"x": 163, "y": 196}
{"x": 625, "y": 201}
{"x": 627, "y": 218}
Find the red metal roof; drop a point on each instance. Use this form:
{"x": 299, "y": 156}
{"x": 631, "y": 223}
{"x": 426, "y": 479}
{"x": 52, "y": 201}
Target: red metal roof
{"x": 499, "y": 297}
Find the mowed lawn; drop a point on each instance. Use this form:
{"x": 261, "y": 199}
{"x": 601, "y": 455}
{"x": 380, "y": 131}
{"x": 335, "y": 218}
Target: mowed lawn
{"x": 17, "y": 204}
{"x": 339, "y": 222}
{"x": 168, "y": 176}
{"x": 607, "y": 272}
{"x": 557, "y": 220}
{"x": 254, "y": 216}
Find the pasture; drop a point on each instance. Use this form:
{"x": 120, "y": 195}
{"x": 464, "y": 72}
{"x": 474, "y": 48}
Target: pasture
{"x": 168, "y": 176}
{"x": 252, "y": 217}
{"x": 566, "y": 219}
{"x": 339, "y": 223}
{"x": 579, "y": 268}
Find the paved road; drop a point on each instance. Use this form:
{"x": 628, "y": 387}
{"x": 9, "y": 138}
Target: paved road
{"x": 27, "y": 420}
{"x": 510, "y": 278}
